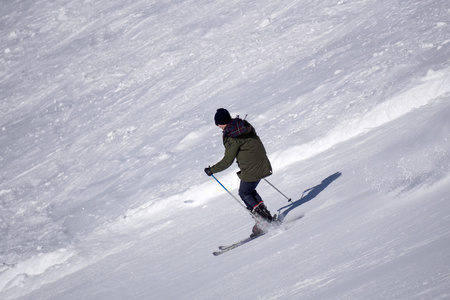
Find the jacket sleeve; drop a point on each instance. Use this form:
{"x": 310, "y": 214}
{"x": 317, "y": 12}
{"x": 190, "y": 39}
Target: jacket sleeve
{"x": 231, "y": 151}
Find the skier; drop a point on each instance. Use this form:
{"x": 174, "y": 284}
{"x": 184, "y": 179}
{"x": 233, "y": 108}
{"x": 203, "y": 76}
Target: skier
{"x": 243, "y": 144}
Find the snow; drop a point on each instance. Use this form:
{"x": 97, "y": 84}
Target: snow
{"x": 107, "y": 124}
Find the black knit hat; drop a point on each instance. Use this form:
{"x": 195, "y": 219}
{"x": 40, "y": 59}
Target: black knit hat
{"x": 222, "y": 117}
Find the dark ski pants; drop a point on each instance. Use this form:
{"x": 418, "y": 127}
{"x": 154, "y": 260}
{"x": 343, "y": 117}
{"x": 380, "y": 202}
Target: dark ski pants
{"x": 248, "y": 194}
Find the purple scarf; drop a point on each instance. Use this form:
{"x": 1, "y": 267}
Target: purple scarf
{"x": 235, "y": 128}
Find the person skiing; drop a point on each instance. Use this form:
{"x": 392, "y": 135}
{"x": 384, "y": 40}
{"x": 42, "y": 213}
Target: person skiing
{"x": 243, "y": 144}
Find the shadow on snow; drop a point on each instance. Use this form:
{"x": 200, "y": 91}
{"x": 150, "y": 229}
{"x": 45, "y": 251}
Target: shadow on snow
{"x": 311, "y": 194}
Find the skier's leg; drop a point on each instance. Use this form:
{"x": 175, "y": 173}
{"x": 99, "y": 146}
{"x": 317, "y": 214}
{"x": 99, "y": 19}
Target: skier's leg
{"x": 253, "y": 200}
{"x": 246, "y": 192}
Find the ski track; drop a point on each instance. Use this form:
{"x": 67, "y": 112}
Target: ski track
{"x": 429, "y": 88}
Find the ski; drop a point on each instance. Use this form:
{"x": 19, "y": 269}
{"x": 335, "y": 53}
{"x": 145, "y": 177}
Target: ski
{"x": 224, "y": 249}
{"x": 239, "y": 243}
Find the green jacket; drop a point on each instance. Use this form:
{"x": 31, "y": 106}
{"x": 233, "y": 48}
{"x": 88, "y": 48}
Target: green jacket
{"x": 243, "y": 144}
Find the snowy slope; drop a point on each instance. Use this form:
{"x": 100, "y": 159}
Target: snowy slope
{"x": 107, "y": 123}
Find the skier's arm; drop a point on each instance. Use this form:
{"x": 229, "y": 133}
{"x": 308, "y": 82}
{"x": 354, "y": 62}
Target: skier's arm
{"x": 231, "y": 152}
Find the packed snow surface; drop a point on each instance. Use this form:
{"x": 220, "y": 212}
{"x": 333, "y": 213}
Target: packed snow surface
{"x": 107, "y": 124}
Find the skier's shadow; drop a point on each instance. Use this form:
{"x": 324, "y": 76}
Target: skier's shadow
{"x": 312, "y": 193}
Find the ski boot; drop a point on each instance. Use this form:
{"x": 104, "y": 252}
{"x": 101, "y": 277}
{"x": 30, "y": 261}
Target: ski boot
{"x": 262, "y": 211}
{"x": 257, "y": 231}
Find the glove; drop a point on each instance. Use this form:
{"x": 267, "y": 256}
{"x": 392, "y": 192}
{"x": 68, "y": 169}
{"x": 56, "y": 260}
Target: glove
{"x": 208, "y": 171}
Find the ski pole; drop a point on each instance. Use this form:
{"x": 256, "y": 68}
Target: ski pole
{"x": 289, "y": 199}
{"x": 232, "y": 195}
